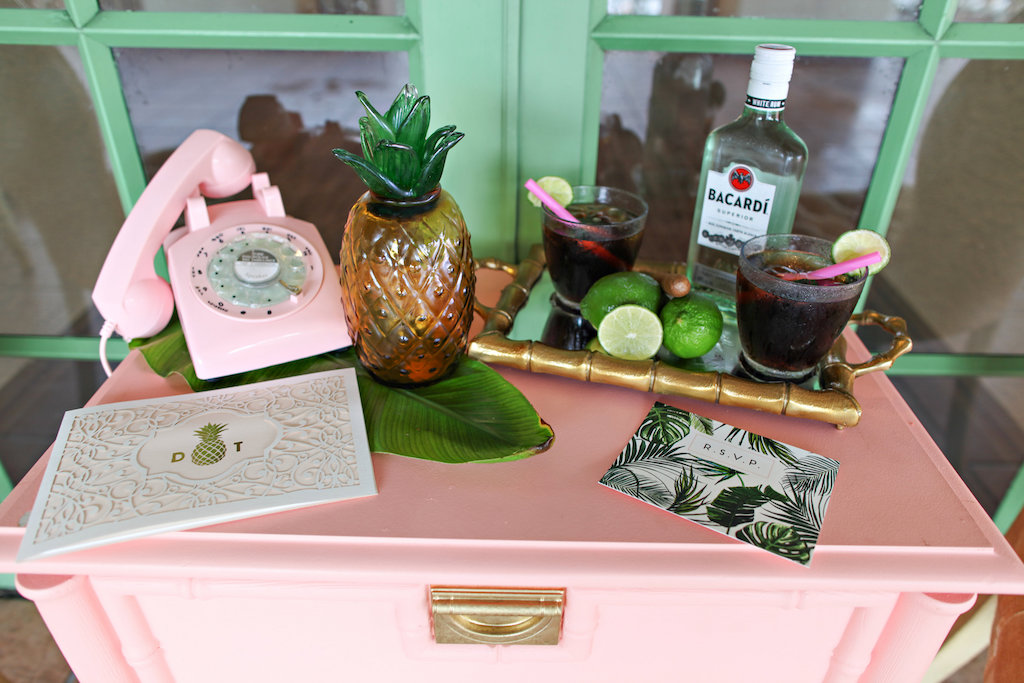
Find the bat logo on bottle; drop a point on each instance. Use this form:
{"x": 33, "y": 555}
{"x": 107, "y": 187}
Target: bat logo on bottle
{"x": 741, "y": 178}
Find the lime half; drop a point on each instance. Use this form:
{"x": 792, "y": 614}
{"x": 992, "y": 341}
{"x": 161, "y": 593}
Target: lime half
{"x": 618, "y": 289}
{"x": 854, "y": 243}
{"x": 630, "y": 332}
{"x": 559, "y": 189}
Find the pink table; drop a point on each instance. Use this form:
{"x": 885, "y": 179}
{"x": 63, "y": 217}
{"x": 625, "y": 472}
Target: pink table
{"x": 343, "y": 590}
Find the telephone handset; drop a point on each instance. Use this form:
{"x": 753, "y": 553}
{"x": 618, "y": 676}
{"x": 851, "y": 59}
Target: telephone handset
{"x": 253, "y": 286}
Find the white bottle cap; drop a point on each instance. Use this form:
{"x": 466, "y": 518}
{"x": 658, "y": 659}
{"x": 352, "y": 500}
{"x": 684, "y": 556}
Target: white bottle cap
{"x": 769, "y": 76}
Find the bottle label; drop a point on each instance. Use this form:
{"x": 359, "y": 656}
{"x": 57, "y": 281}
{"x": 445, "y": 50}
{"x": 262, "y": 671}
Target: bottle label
{"x": 765, "y": 104}
{"x": 736, "y": 208}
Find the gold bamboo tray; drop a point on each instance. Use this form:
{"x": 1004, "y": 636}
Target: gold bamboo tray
{"x": 832, "y": 402}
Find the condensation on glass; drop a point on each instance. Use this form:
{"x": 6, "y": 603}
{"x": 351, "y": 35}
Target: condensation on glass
{"x": 657, "y": 109}
{"x": 866, "y": 10}
{"x": 59, "y": 207}
{"x": 389, "y": 7}
{"x": 290, "y": 108}
{"x": 957, "y": 271}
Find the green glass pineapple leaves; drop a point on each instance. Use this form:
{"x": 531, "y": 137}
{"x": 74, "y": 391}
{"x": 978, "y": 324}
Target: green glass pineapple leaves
{"x": 399, "y": 161}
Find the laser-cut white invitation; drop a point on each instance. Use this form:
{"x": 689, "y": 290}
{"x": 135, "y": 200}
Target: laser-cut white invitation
{"x": 126, "y": 470}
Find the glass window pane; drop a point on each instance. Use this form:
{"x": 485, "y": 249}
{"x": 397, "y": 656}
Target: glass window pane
{"x": 291, "y": 108}
{"x": 994, "y": 11}
{"x": 390, "y": 7}
{"x": 657, "y": 109}
{"x": 977, "y": 424}
{"x": 957, "y": 271}
{"x": 871, "y": 10}
{"x": 59, "y": 208}
{"x": 34, "y": 395}
{"x": 32, "y": 4}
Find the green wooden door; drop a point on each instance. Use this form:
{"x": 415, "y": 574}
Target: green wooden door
{"x": 99, "y": 90}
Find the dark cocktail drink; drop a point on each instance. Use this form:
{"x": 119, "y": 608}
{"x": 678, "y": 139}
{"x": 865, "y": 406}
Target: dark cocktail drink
{"x": 786, "y": 327}
{"x": 591, "y": 251}
{"x": 604, "y": 239}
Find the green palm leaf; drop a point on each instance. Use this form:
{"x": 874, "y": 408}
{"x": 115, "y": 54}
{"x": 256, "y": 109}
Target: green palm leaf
{"x": 473, "y": 415}
{"x": 704, "y": 425}
{"x": 649, "y": 480}
{"x": 640, "y": 449}
{"x": 803, "y": 513}
{"x": 714, "y": 470}
{"x": 737, "y": 504}
{"x": 665, "y": 424}
{"x": 762, "y": 444}
{"x": 809, "y": 487}
{"x": 812, "y": 473}
{"x": 690, "y": 495}
{"x": 645, "y": 470}
{"x": 776, "y": 538}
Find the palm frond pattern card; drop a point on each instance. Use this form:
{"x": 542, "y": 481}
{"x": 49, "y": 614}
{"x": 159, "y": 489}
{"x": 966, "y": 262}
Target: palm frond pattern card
{"x": 752, "y": 488}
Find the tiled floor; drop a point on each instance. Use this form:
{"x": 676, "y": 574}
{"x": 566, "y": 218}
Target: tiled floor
{"x": 27, "y": 653}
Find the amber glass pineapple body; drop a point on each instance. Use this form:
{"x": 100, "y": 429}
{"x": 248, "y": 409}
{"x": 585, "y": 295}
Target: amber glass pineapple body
{"x": 408, "y": 284}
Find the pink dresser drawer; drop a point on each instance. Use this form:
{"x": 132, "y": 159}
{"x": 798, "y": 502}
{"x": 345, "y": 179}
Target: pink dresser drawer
{"x": 208, "y": 630}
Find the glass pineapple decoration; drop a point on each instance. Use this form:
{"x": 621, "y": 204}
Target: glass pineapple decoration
{"x": 407, "y": 272}
{"x": 211, "y": 448}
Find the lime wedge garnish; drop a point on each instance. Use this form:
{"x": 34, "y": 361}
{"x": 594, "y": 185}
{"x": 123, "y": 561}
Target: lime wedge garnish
{"x": 630, "y": 332}
{"x": 559, "y": 189}
{"x": 854, "y": 243}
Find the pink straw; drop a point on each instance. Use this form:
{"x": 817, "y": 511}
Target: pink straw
{"x": 563, "y": 214}
{"x": 840, "y": 268}
{"x": 549, "y": 201}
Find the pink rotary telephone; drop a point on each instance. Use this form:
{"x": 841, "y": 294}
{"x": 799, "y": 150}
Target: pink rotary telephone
{"x": 253, "y": 287}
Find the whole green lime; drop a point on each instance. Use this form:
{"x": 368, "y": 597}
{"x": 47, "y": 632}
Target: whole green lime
{"x": 620, "y": 289}
{"x": 693, "y": 325}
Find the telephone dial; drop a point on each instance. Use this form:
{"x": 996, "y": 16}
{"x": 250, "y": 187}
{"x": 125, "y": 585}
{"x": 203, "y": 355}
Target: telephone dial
{"x": 253, "y": 287}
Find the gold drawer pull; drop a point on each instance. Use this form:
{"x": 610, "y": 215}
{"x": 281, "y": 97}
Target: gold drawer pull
{"x": 497, "y": 616}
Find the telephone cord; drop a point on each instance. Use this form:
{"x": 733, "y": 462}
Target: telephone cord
{"x": 105, "y": 333}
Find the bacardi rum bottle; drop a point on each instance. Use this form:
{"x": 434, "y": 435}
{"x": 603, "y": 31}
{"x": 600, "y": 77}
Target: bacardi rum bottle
{"x": 750, "y": 177}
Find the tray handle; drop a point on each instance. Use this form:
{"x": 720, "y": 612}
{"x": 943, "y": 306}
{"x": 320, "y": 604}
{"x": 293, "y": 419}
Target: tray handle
{"x": 837, "y": 373}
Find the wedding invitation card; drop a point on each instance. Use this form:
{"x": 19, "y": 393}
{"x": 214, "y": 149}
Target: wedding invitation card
{"x": 136, "y": 468}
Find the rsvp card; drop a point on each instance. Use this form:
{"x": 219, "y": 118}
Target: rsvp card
{"x": 752, "y": 488}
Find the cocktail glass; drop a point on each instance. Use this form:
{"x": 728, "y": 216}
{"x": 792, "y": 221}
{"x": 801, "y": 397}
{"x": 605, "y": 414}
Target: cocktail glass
{"x": 786, "y": 327}
{"x": 605, "y": 239}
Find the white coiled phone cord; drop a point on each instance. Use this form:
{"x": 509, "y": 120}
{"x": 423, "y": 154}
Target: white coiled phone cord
{"x": 105, "y": 333}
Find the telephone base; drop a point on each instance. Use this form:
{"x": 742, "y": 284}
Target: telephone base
{"x": 280, "y": 305}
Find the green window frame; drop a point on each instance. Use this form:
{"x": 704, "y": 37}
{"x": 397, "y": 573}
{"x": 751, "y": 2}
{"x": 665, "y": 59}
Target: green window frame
{"x": 523, "y": 79}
